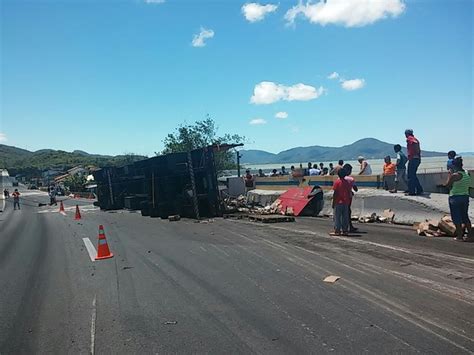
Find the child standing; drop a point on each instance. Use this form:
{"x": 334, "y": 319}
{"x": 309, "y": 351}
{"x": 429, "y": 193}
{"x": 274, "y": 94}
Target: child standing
{"x": 341, "y": 201}
{"x": 449, "y": 163}
{"x": 389, "y": 174}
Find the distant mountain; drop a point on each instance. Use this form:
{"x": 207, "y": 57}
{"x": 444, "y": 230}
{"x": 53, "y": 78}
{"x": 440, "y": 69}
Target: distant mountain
{"x": 370, "y": 148}
{"x": 19, "y": 160}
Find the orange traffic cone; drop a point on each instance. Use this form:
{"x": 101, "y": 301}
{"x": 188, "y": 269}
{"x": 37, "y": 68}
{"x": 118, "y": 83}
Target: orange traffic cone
{"x": 78, "y": 213}
{"x": 61, "y": 207}
{"x": 103, "y": 251}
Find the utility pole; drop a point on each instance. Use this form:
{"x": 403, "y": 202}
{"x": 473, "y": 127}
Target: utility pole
{"x": 238, "y": 163}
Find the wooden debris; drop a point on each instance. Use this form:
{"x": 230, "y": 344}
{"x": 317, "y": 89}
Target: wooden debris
{"x": 331, "y": 279}
{"x": 289, "y": 211}
{"x": 174, "y": 218}
{"x": 447, "y": 226}
{"x": 389, "y": 215}
{"x": 276, "y": 218}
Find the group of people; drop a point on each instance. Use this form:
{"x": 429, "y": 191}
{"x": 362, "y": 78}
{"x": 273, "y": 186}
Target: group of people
{"x": 16, "y": 198}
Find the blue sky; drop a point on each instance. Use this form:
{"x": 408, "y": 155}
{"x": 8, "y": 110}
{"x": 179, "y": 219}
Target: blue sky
{"x": 113, "y": 77}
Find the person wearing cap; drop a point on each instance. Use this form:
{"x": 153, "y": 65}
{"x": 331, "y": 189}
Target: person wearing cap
{"x": 365, "y": 168}
{"x": 414, "y": 160}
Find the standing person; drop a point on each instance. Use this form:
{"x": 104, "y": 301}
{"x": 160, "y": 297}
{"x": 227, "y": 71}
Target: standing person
{"x": 6, "y": 193}
{"x": 283, "y": 171}
{"x": 458, "y": 184}
{"x": 16, "y": 199}
{"x": 365, "y": 168}
{"x": 249, "y": 181}
{"x": 449, "y": 163}
{"x": 338, "y": 167}
{"x": 321, "y": 166}
{"x": 341, "y": 200}
{"x": 401, "y": 167}
{"x": 314, "y": 170}
{"x": 351, "y": 180}
{"x": 306, "y": 171}
{"x": 331, "y": 169}
{"x": 261, "y": 173}
{"x": 414, "y": 160}
{"x": 389, "y": 174}
{"x": 274, "y": 173}
{"x": 52, "y": 196}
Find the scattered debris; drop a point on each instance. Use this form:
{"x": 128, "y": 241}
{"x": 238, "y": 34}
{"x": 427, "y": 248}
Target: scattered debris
{"x": 271, "y": 218}
{"x": 174, "y": 322}
{"x": 434, "y": 228}
{"x": 331, "y": 279}
{"x": 388, "y": 216}
{"x": 174, "y": 218}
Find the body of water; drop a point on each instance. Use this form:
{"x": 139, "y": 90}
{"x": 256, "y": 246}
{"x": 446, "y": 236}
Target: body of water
{"x": 431, "y": 164}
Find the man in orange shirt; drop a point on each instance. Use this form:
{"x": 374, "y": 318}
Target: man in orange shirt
{"x": 389, "y": 173}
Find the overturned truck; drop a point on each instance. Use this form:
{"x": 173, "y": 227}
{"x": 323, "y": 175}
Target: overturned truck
{"x": 182, "y": 184}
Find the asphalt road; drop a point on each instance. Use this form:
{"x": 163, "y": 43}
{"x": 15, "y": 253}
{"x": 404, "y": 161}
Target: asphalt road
{"x": 226, "y": 286}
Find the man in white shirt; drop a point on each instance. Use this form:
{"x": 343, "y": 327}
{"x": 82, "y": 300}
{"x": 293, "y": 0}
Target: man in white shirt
{"x": 365, "y": 168}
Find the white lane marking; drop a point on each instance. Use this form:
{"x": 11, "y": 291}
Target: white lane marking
{"x": 90, "y": 248}
{"x": 93, "y": 319}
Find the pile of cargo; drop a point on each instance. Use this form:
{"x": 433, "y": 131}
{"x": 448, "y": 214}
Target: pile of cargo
{"x": 436, "y": 228}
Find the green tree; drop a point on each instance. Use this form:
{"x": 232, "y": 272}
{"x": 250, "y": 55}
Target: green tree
{"x": 201, "y": 134}
{"x": 75, "y": 183}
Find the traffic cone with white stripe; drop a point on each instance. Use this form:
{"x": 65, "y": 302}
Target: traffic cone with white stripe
{"x": 61, "y": 207}
{"x": 78, "y": 213}
{"x": 103, "y": 251}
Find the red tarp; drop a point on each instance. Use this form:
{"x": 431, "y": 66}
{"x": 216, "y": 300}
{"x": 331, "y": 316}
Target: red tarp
{"x": 297, "y": 198}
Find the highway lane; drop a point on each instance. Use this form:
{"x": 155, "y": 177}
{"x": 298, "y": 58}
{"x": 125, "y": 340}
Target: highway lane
{"x": 227, "y": 286}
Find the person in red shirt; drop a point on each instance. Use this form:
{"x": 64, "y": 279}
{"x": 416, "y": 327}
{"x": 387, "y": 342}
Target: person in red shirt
{"x": 249, "y": 181}
{"x": 341, "y": 201}
{"x": 389, "y": 173}
{"x": 16, "y": 199}
{"x": 351, "y": 180}
{"x": 414, "y": 160}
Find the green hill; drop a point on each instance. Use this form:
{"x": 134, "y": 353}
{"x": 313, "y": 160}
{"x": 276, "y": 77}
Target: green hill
{"x": 370, "y": 148}
{"x": 21, "y": 161}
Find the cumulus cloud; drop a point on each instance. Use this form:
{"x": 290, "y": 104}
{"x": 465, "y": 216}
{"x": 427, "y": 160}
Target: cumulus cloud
{"x": 349, "y": 13}
{"x": 268, "y": 92}
{"x": 257, "y": 121}
{"x": 353, "y": 84}
{"x": 333, "y": 75}
{"x": 199, "y": 39}
{"x": 281, "y": 115}
{"x": 154, "y": 1}
{"x": 254, "y": 12}
{"x": 3, "y": 137}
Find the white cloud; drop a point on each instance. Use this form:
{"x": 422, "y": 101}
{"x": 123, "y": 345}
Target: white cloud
{"x": 199, "y": 40}
{"x": 281, "y": 115}
{"x": 333, "y": 75}
{"x": 257, "y": 121}
{"x": 154, "y": 1}
{"x": 254, "y": 12}
{"x": 353, "y": 84}
{"x": 3, "y": 137}
{"x": 349, "y": 13}
{"x": 268, "y": 92}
